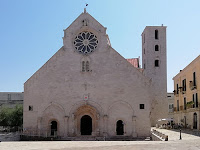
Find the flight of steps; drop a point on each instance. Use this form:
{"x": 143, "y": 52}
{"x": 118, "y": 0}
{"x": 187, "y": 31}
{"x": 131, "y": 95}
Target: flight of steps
{"x": 83, "y": 138}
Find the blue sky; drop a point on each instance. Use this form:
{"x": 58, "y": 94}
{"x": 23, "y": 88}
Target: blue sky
{"x": 31, "y": 32}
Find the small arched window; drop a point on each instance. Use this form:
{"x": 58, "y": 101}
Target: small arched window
{"x": 156, "y": 48}
{"x": 156, "y": 34}
{"x": 83, "y": 66}
{"x": 156, "y": 63}
{"x": 87, "y": 66}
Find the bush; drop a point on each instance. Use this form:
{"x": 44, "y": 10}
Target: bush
{"x": 11, "y": 116}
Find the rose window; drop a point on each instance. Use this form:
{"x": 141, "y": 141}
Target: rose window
{"x": 86, "y": 42}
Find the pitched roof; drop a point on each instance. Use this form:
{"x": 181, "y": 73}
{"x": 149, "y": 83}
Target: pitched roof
{"x": 134, "y": 62}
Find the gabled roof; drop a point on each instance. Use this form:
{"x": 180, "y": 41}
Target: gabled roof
{"x": 84, "y": 13}
{"x": 188, "y": 66}
{"x": 134, "y": 62}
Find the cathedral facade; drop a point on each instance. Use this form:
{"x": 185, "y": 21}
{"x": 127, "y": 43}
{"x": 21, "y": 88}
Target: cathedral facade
{"x": 88, "y": 89}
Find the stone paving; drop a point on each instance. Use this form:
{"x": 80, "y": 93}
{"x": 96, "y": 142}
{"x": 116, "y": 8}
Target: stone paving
{"x": 174, "y": 135}
{"x": 188, "y": 142}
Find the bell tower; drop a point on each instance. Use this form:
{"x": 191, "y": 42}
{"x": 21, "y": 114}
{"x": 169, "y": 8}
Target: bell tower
{"x": 154, "y": 62}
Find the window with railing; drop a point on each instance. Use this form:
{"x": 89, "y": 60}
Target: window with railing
{"x": 183, "y": 86}
{"x": 194, "y": 79}
{"x": 196, "y": 101}
{"x": 193, "y": 100}
{"x": 177, "y": 91}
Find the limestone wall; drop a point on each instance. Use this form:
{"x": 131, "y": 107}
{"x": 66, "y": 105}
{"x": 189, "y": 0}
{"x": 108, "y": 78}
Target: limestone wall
{"x": 112, "y": 87}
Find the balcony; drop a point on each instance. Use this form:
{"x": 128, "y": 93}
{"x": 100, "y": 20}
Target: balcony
{"x": 192, "y": 86}
{"x": 183, "y": 92}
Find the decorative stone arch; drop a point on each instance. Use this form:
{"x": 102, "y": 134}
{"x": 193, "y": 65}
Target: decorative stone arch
{"x": 83, "y": 108}
{"x": 53, "y": 112}
{"x": 53, "y": 104}
{"x": 78, "y": 104}
{"x": 83, "y": 111}
{"x": 115, "y": 114}
{"x": 49, "y": 125}
{"x": 123, "y": 102}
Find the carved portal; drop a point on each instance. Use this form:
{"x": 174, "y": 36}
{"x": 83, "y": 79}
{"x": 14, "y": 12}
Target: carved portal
{"x": 90, "y": 111}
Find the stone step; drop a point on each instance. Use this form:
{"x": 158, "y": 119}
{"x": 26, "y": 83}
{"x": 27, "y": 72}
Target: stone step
{"x": 83, "y": 138}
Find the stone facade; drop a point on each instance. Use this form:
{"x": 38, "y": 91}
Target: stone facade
{"x": 187, "y": 95}
{"x": 170, "y": 97}
{"x": 99, "y": 89}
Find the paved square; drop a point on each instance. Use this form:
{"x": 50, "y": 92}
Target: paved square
{"x": 188, "y": 142}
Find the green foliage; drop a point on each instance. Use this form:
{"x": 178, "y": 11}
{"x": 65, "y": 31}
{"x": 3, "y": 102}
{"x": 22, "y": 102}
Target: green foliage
{"x": 11, "y": 116}
{"x": 190, "y": 103}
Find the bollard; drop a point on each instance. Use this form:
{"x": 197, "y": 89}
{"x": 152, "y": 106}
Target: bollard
{"x": 180, "y": 135}
{"x": 166, "y": 138}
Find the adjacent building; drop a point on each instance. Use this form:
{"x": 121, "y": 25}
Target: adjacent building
{"x": 170, "y": 97}
{"x": 187, "y": 95}
{"x": 11, "y": 99}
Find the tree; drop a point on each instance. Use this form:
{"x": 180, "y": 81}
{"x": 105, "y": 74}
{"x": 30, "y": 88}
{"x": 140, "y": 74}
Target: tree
{"x": 11, "y": 116}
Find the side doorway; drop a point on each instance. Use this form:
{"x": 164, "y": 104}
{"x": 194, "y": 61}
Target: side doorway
{"x": 54, "y": 128}
{"x": 120, "y": 127}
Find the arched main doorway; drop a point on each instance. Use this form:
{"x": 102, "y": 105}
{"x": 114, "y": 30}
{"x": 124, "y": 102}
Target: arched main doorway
{"x": 54, "y": 128}
{"x": 86, "y": 125}
{"x": 195, "y": 121}
{"x": 120, "y": 127}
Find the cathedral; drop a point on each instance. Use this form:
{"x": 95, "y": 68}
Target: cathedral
{"x": 87, "y": 89}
